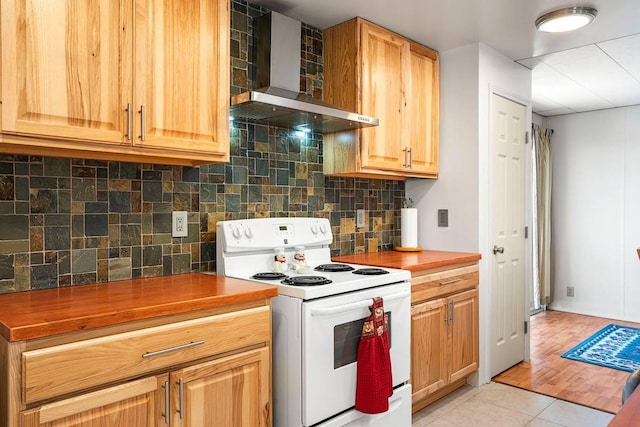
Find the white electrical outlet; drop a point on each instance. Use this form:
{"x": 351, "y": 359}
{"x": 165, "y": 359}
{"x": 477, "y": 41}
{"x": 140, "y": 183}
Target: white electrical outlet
{"x": 359, "y": 218}
{"x": 179, "y": 226}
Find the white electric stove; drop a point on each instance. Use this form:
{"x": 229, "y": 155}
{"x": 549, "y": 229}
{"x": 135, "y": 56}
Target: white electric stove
{"x": 318, "y": 318}
{"x": 246, "y": 250}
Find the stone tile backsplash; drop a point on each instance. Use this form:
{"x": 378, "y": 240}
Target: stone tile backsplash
{"x": 67, "y": 222}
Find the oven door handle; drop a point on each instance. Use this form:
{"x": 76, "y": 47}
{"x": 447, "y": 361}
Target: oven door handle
{"x": 356, "y": 305}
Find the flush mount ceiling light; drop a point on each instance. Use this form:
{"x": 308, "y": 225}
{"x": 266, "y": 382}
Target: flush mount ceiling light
{"x": 567, "y": 19}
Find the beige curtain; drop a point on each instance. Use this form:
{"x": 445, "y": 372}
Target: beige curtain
{"x": 542, "y": 216}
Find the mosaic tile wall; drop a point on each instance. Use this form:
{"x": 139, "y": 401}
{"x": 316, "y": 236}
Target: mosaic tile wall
{"x": 72, "y": 221}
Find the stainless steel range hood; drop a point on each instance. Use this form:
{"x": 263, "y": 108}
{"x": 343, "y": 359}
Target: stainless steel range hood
{"x": 278, "y": 101}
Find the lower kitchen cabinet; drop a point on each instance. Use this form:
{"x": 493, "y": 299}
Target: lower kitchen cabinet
{"x": 231, "y": 391}
{"x": 129, "y": 404}
{"x": 444, "y": 331}
{"x": 207, "y": 370}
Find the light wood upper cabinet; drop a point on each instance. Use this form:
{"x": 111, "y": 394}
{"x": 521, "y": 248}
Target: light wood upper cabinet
{"x": 379, "y": 73}
{"x": 385, "y": 57}
{"x": 423, "y": 107}
{"x": 66, "y": 68}
{"x": 77, "y": 80}
{"x": 182, "y": 75}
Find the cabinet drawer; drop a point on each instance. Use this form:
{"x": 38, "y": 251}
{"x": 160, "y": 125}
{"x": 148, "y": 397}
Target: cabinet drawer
{"x": 62, "y": 369}
{"x": 443, "y": 283}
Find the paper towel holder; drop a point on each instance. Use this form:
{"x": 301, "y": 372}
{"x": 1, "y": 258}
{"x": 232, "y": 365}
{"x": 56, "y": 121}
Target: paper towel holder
{"x": 408, "y": 228}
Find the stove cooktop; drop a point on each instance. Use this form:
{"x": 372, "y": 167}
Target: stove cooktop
{"x": 245, "y": 249}
{"x": 311, "y": 283}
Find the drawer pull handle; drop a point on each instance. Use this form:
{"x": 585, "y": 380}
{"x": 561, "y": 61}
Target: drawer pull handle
{"x": 450, "y": 282}
{"x": 169, "y": 350}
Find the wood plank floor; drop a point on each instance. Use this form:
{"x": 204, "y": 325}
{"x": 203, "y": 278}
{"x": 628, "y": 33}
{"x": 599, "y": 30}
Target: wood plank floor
{"x": 553, "y": 333}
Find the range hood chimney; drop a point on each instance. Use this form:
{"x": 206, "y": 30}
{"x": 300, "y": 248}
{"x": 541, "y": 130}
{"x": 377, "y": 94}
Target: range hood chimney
{"x": 278, "y": 101}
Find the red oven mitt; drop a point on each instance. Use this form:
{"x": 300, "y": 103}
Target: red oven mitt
{"x": 374, "y": 385}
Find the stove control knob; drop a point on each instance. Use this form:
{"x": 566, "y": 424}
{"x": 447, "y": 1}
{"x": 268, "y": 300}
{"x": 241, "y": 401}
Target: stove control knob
{"x": 314, "y": 228}
{"x": 236, "y": 232}
{"x": 323, "y": 228}
{"x": 248, "y": 232}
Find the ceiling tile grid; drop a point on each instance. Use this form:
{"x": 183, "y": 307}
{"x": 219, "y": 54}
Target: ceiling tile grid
{"x": 593, "y": 77}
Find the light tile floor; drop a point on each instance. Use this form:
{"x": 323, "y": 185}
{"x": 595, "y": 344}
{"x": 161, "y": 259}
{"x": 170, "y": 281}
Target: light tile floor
{"x": 499, "y": 405}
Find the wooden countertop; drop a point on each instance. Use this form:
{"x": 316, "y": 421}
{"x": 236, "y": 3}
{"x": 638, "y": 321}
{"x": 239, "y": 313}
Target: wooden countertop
{"x": 412, "y": 261}
{"x": 629, "y": 414}
{"x": 40, "y": 313}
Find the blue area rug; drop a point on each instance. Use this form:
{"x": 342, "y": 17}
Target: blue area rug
{"x": 613, "y": 346}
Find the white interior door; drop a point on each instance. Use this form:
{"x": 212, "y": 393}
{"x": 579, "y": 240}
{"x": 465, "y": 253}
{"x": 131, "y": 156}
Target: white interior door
{"x": 507, "y": 210}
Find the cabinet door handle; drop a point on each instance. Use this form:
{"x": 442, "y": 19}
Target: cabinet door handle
{"x": 410, "y": 158}
{"x": 129, "y": 120}
{"x": 446, "y": 316}
{"x": 450, "y": 282}
{"x": 143, "y": 122}
{"x": 450, "y": 312}
{"x": 180, "y": 397}
{"x": 170, "y": 349}
{"x": 166, "y": 402}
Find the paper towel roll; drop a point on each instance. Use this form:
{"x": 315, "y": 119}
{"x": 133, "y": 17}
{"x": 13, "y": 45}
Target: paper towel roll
{"x": 409, "y": 227}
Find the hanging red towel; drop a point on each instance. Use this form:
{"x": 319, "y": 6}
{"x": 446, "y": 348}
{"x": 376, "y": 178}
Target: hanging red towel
{"x": 374, "y": 385}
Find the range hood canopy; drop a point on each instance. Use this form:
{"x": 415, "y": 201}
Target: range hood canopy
{"x": 279, "y": 101}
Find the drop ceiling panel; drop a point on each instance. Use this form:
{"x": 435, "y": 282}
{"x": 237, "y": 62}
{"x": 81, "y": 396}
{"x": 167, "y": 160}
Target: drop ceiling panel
{"x": 595, "y": 71}
{"x": 543, "y": 103}
{"x": 587, "y": 78}
{"x": 626, "y": 52}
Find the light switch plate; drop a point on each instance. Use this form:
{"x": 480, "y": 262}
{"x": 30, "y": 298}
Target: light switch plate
{"x": 359, "y": 218}
{"x": 443, "y": 217}
{"x": 179, "y": 225}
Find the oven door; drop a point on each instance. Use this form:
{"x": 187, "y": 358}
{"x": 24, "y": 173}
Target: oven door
{"x": 398, "y": 415}
{"x": 331, "y": 329}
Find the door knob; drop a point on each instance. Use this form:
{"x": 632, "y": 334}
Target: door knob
{"x": 498, "y": 249}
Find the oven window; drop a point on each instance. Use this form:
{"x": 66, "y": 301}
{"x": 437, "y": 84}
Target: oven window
{"x": 346, "y": 338}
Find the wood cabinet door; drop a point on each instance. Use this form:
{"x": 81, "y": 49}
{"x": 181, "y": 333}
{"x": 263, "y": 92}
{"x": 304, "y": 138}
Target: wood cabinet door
{"x": 182, "y": 76}
{"x": 385, "y": 68}
{"x": 428, "y": 347}
{"x": 231, "y": 391}
{"x": 66, "y": 68}
{"x": 464, "y": 335}
{"x": 422, "y": 111}
{"x": 129, "y": 404}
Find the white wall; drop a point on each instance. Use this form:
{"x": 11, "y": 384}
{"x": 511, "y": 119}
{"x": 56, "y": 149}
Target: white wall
{"x": 468, "y": 75}
{"x": 596, "y": 212}
{"x": 457, "y": 187}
